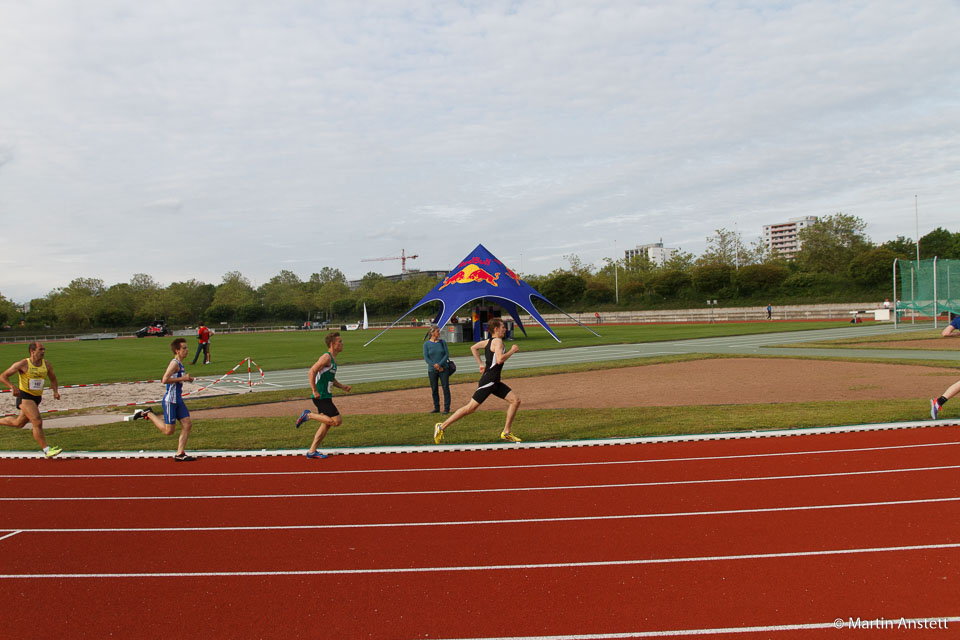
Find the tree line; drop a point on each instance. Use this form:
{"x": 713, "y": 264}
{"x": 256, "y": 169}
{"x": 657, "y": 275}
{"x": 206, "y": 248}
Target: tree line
{"x": 837, "y": 262}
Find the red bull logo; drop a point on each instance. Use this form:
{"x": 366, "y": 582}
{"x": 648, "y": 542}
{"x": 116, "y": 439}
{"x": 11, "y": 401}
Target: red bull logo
{"x": 471, "y": 273}
{"x": 511, "y": 274}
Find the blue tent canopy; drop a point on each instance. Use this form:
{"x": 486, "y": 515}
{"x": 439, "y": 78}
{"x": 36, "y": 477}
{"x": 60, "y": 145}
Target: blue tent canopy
{"x": 482, "y": 275}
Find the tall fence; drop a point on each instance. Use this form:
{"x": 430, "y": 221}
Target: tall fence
{"x": 928, "y": 287}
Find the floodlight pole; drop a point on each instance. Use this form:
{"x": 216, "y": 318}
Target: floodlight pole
{"x": 896, "y": 307}
{"x": 916, "y": 213}
{"x": 936, "y": 311}
{"x": 616, "y": 273}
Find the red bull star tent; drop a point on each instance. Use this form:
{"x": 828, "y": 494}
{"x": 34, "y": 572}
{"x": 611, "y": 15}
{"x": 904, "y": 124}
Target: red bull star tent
{"x": 481, "y": 275}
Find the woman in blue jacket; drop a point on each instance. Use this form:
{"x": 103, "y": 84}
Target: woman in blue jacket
{"x": 435, "y": 354}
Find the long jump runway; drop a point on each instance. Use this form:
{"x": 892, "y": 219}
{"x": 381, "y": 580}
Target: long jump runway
{"x": 777, "y": 537}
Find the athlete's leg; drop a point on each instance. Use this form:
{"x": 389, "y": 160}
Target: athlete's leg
{"x": 165, "y": 429}
{"x": 514, "y": 405}
{"x": 325, "y": 423}
{"x": 17, "y": 422}
{"x": 465, "y": 410}
{"x": 185, "y": 425}
{"x": 30, "y": 411}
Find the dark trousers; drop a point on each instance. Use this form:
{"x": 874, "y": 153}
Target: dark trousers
{"x": 205, "y": 348}
{"x": 443, "y": 377}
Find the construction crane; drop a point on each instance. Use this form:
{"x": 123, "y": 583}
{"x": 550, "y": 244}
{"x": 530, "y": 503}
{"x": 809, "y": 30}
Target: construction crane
{"x": 403, "y": 257}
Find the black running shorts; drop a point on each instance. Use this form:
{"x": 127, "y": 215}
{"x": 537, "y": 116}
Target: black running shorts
{"x": 326, "y": 407}
{"x": 494, "y": 388}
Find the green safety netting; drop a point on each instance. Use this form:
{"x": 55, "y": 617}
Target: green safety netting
{"x": 929, "y": 286}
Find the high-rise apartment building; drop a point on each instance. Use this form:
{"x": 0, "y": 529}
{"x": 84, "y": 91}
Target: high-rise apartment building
{"x": 784, "y": 237}
{"x": 655, "y": 253}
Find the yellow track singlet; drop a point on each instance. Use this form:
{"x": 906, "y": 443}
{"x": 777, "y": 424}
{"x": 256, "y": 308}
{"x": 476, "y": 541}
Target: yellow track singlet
{"x": 32, "y": 381}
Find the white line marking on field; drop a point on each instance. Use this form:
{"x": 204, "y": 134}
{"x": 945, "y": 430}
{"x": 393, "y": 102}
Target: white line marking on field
{"x": 865, "y": 624}
{"x": 597, "y": 463}
{"x": 619, "y": 485}
{"x": 498, "y": 567}
{"x": 460, "y": 523}
{"x": 10, "y": 535}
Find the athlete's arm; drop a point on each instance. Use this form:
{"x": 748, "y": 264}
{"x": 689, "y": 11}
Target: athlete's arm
{"x": 499, "y": 354}
{"x": 322, "y": 362}
{"x": 53, "y": 381}
{"x": 16, "y": 367}
{"x": 168, "y": 377}
{"x": 475, "y": 349}
{"x": 337, "y": 384}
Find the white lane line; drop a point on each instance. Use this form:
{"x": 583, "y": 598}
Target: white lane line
{"x": 498, "y": 567}
{"x": 10, "y": 535}
{"x": 598, "y": 463}
{"x": 507, "y": 521}
{"x": 904, "y": 623}
{"x": 433, "y": 492}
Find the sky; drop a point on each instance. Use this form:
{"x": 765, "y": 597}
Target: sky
{"x": 186, "y": 139}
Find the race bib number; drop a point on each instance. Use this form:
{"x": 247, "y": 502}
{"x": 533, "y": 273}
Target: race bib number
{"x": 330, "y": 387}
{"x": 35, "y": 384}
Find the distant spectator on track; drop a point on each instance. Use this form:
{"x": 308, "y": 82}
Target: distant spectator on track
{"x": 174, "y": 407}
{"x": 323, "y": 378}
{"x": 436, "y": 355}
{"x": 203, "y": 344}
{"x": 32, "y": 372}
{"x": 490, "y": 383}
{"x": 769, "y": 312}
{"x": 951, "y": 328}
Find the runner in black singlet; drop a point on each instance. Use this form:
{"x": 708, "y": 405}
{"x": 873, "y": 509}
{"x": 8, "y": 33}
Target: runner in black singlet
{"x": 490, "y": 383}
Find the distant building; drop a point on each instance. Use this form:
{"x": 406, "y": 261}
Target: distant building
{"x": 411, "y": 273}
{"x": 656, "y": 253}
{"x": 784, "y": 237}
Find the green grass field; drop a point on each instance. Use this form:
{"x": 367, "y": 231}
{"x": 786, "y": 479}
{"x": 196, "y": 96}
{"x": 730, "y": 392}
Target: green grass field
{"x": 128, "y": 359}
{"x": 141, "y": 359}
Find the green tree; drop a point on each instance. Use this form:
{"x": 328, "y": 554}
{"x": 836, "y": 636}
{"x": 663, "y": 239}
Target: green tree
{"x": 875, "y": 267}
{"x": 940, "y": 243}
{"x": 75, "y": 305}
{"x": 726, "y": 248}
{"x": 760, "y": 278}
{"x": 904, "y": 248}
{"x": 563, "y": 288}
{"x": 234, "y": 292}
{"x": 9, "y": 314}
{"x": 712, "y": 278}
{"x": 829, "y": 244}
{"x": 669, "y": 283}
{"x": 115, "y": 308}
{"x": 195, "y": 296}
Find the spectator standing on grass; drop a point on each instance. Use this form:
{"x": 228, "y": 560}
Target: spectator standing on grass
{"x": 436, "y": 354}
{"x": 174, "y": 407}
{"x": 32, "y": 372}
{"x": 323, "y": 378}
{"x": 490, "y": 383}
{"x": 203, "y": 344}
{"x": 769, "y": 312}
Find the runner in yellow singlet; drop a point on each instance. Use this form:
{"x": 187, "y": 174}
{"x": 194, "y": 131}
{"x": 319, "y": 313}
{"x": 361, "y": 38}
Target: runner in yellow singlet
{"x": 33, "y": 372}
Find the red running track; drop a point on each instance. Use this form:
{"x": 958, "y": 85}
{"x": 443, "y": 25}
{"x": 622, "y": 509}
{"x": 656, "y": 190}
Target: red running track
{"x": 767, "y": 537}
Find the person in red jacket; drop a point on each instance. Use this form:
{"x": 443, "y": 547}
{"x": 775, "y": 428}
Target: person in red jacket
{"x": 203, "y": 338}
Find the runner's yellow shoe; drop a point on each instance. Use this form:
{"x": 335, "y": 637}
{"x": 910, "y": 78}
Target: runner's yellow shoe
{"x": 52, "y": 451}
{"x": 438, "y": 433}
{"x": 509, "y": 437}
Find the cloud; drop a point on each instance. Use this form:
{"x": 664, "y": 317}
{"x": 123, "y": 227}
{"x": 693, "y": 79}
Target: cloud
{"x": 323, "y": 133}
